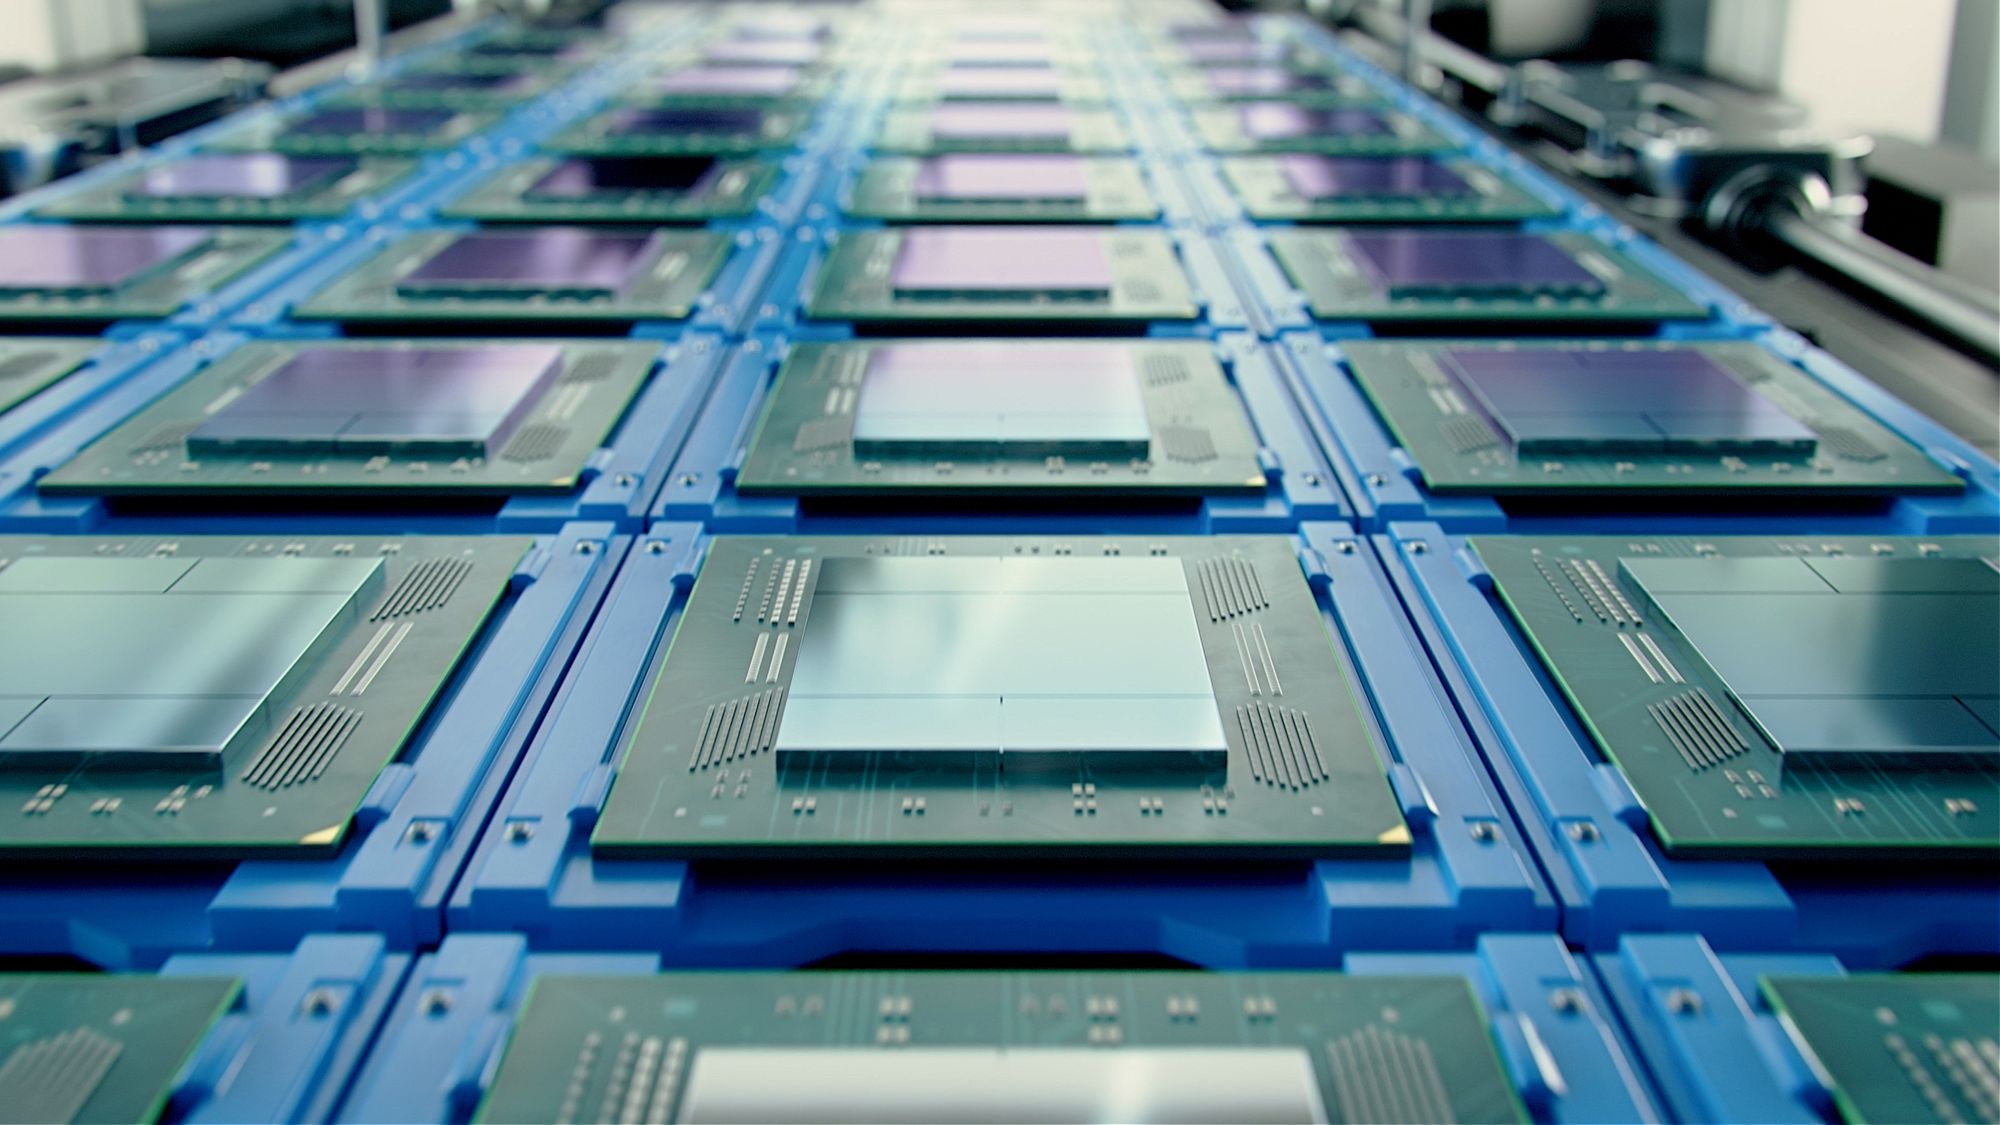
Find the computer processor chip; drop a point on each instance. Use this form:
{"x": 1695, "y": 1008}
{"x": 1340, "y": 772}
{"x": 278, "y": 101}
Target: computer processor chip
{"x": 675, "y": 130}
{"x": 83, "y": 1047}
{"x": 999, "y": 273}
{"x": 1290, "y": 126}
{"x": 543, "y": 274}
{"x": 360, "y": 130}
{"x": 104, "y": 273}
{"x": 1529, "y": 417}
{"x": 1001, "y": 698}
{"x": 30, "y": 364}
{"x": 731, "y": 84}
{"x": 1316, "y": 188}
{"x": 619, "y": 189}
{"x": 1818, "y": 698}
{"x": 1171, "y": 1047}
{"x": 492, "y": 86}
{"x": 1419, "y": 274}
{"x": 221, "y": 697}
{"x": 1916, "y": 1047}
{"x": 1263, "y": 82}
{"x": 375, "y": 418}
{"x": 1003, "y": 187}
{"x": 1002, "y": 84}
{"x": 1001, "y": 126}
{"x": 1001, "y": 417}
{"x": 235, "y": 187}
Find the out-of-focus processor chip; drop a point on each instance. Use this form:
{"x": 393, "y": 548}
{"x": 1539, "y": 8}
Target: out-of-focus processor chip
{"x": 373, "y": 418}
{"x": 539, "y": 274}
{"x": 1419, "y": 274}
{"x": 235, "y": 187}
{"x": 1003, "y": 84}
{"x": 1174, "y": 1048}
{"x": 1001, "y": 126}
{"x": 1564, "y": 417}
{"x": 360, "y": 130}
{"x": 732, "y": 84}
{"x": 30, "y": 364}
{"x": 1003, "y": 187}
{"x": 80, "y": 1047}
{"x": 104, "y": 273}
{"x": 495, "y": 85}
{"x": 1818, "y": 698}
{"x": 1316, "y": 188}
{"x": 619, "y": 189}
{"x": 682, "y": 129}
{"x": 1290, "y": 126}
{"x": 1001, "y": 273}
{"x": 1916, "y": 1047}
{"x": 1000, "y": 698}
{"x": 1264, "y": 82}
{"x": 1002, "y": 417}
{"x": 216, "y": 696}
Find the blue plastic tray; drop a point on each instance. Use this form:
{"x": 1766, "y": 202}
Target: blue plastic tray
{"x": 533, "y": 871}
{"x": 413, "y": 832}
{"x": 623, "y": 480}
{"x": 700, "y": 487}
{"x": 1591, "y": 834}
{"x": 441, "y": 1046}
{"x": 1708, "y": 1040}
{"x": 292, "y": 1044}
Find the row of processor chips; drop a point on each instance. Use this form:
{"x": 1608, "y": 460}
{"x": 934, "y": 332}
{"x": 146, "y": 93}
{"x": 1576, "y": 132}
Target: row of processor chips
{"x": 975, "y": 418}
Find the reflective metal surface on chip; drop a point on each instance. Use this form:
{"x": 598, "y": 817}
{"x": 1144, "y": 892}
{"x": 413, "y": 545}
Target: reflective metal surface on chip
{"x": 374, "y": 120}
{"x": 757, "y": 81}
{"x": 623, "y": 175}
{"x": 1026, "y": 119}
{"x": 639, "y": 121}
{"x": 1239, "y": 81}
{"x": 1002, "y": 176}
{"x": 942, "y": 398}
{"x": 1336, "y": 177}
{"x": 260, "y": 175}
{"x": 97, "y": 259}
{"x": 551, "y": 258}
{"x": 999, "y": 82}
{"x": 1552, "y": 401}
{"x": 458, "y": 400}
{"x": 973, "y": 259}
{"x": 1414, "y": 263}
{"x": 1275, "y": 120}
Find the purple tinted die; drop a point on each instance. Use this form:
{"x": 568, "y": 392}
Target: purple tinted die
{"x": 764, "y": 52}
{"x": 999, "y": 82}
{"x": 566, "y": 260}
{"x": 995, "y": 261}
{"x": 746, "y": 81}
{"x": 626, "y": 175}
{"x": 372, "y": 120}
{"x": 434, "y": 401}
{"x": 636, "y": 121}
{"x": 1241, "y": 81}
{"x": 1002, "y": 177}
{"x": 1016, "y": 120}
{"x": 1550, "y": 400}
{"x": 1365, "y": 177}
{"x": 90, "y": 259}
{"x": 488, "y": 82}
{"x": 1418, "y": 263}
{"x": 1268, "y": 121}
{"x": 251, "y": 175}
